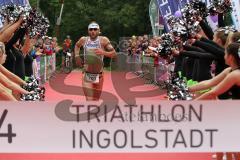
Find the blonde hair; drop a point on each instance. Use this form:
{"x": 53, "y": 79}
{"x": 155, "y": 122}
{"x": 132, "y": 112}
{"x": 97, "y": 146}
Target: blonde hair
{"x": 236, "y": 37}
{"x": 229, "y": 38}
{"x": 2, "y": 48}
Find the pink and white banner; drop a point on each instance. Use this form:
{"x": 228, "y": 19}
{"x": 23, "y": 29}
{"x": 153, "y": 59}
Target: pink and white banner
{"x": 155, "y": 127}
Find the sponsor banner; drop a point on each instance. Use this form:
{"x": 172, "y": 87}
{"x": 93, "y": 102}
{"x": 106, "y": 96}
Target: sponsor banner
{"x": 236, "y": 13}
{"x": 161, "y": 126}
{"x": 9, "y": 2}
{"x": 167, "y": 8}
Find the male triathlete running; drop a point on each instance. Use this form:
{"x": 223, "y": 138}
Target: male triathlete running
{"x": 95, "y": 48}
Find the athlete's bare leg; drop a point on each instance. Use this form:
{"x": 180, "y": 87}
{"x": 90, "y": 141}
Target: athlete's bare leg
{"x": 93, "y": 91}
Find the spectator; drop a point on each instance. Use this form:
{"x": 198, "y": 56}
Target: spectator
{"x": 48, "y": 51}
{"x": 9, "y": 82}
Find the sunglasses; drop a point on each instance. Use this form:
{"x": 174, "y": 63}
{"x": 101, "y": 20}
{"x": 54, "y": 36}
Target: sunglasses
{"x": 93, "y": 29}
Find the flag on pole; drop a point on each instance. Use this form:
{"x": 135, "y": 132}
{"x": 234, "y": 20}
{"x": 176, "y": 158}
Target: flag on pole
{"x": 154, "y": 17}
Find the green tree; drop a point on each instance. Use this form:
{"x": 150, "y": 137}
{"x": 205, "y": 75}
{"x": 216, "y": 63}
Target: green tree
{"x": 116, "y": 18}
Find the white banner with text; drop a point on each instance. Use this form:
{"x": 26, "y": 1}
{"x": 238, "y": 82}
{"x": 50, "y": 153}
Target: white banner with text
{"x": 161, "y": 126}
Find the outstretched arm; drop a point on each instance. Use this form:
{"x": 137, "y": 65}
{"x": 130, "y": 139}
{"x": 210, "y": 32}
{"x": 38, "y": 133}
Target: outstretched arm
{"x": 8, "y": 32}
{"x": 11, "y": 85}
{"x": 6, "y": 26}
{"x": 210, "y": 83}
{"x": 221, "y": 88}
{"x": 4, "y": 95}
{"x": 12, "y": 76}
{"x": 27, "y": 45}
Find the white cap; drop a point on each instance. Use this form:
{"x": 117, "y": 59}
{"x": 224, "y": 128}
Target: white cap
{"x": 93, "y": 26}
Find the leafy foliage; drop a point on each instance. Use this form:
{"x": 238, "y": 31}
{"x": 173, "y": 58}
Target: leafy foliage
{"x": 116, "y": 18}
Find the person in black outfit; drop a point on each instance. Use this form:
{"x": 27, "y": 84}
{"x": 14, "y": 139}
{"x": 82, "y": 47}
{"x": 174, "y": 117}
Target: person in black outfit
{"x": 227, "y": 81}
{"x": 206, "y": 28}
{"x": 193, "y": 61}
{"x": 9, "y": 83}
{"x": 28, "y": 61}
{"x": 201, "y": 54}
{"x": 211, "y": 50}
{"x": 201, "y": 67}
{"x": 10, "y": 61}
{"x": 15, "y": 57}
{"x": 215, "y": 47}
{"x": 19, "y": 64}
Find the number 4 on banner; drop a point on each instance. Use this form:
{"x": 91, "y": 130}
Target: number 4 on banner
{"x": 10, "y": 134}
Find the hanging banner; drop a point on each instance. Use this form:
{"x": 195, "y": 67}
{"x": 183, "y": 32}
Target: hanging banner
{"x": 167, "y": 8}
{"x": 236, "y": 13}
{"x": 18, "y": 2}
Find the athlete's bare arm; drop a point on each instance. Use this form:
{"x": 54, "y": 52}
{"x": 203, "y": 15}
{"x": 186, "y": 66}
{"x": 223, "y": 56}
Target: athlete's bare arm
{"x": 80, "y": 43}
{"x": 108, "y": 51}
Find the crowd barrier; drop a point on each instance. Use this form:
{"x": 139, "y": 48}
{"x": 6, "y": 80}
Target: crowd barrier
{"x": 137, "y": 63}
{"x": 46, "y": 66}
{"x": 144, "y": 66}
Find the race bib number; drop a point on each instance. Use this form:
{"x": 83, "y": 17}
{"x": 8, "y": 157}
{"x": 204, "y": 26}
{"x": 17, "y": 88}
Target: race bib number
{"x": 92, "y": 78}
